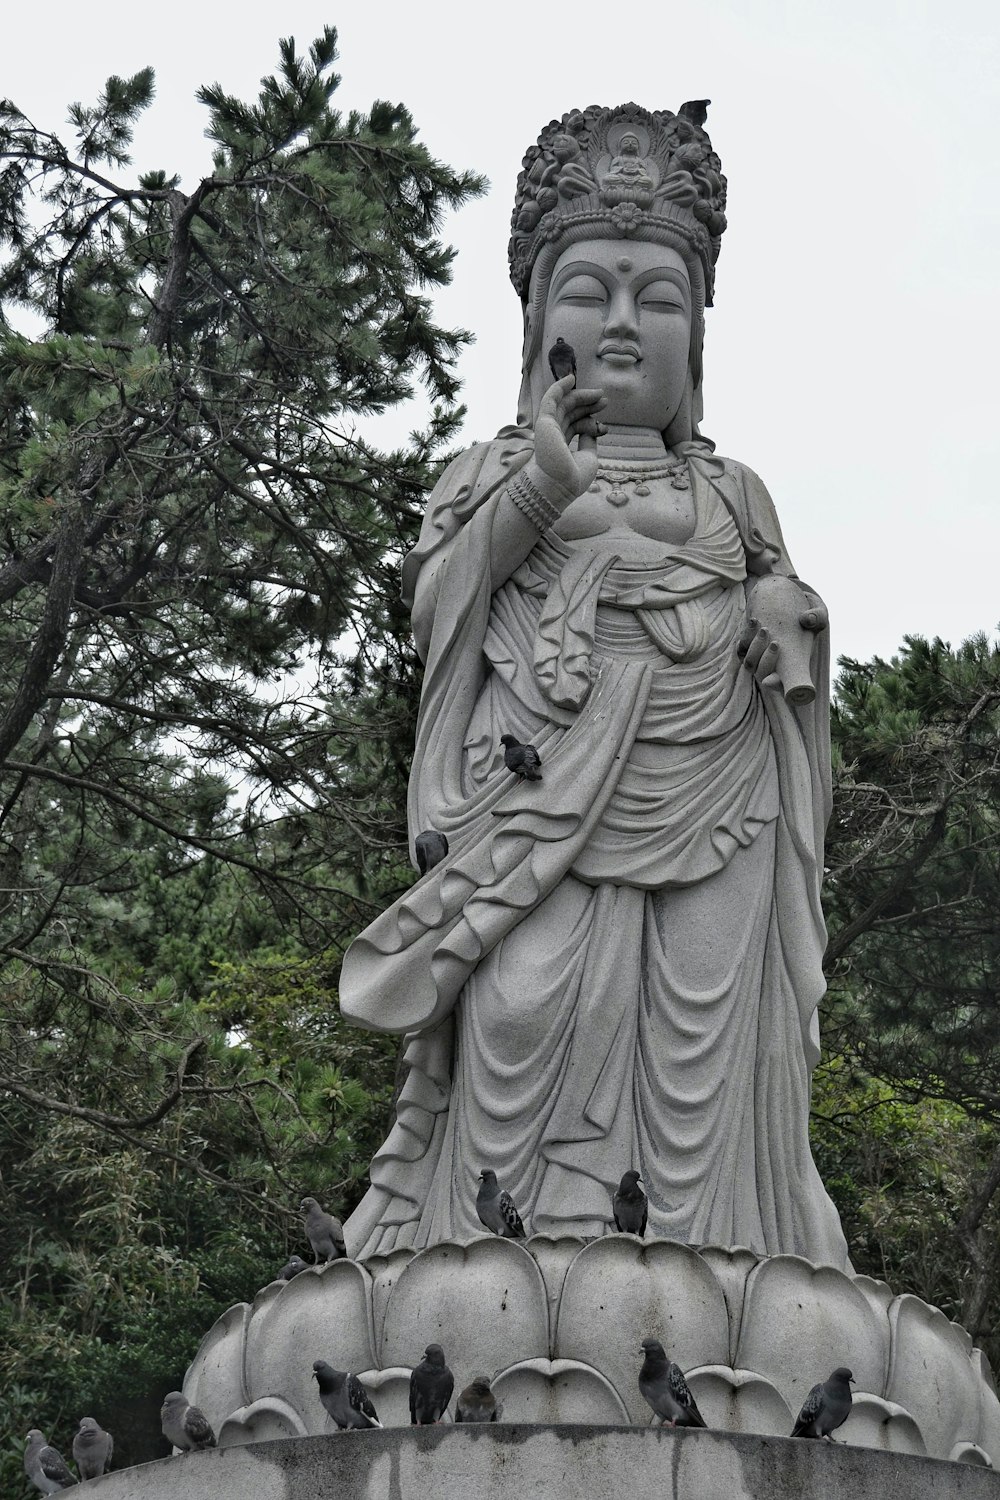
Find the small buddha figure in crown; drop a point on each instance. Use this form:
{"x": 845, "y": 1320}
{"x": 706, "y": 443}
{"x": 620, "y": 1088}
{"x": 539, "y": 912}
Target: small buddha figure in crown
{"x": 617, "y": 966}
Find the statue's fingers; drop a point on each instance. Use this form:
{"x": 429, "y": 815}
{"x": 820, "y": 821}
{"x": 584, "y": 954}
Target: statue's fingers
{"x": 746, "y": 636}
{"x": 767, "y": 663}
{"x": 756, "y": 649}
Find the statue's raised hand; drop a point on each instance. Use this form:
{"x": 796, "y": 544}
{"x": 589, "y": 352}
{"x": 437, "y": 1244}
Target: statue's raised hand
{"x": 566, "y": 412}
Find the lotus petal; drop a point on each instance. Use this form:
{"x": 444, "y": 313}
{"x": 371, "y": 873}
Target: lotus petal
{"x": 970, "y": 1453}
{"x": 989, "y": 1407}
{"x": 874, "y": 1423}
{"x": 558, "y": 1390}
{"x": 739, "y": 1401}
{"x": 215, "y": 1378}
{"x": 800, "y": 1321}
{"x": 879, "y": 1293}
{"x": 553, "y": 1254}
{"x": 620, "y": 1290}
{"x": 385, "y": 1271}
{"x": 390, "y": 1393}
{"x": 484, "y": 1302}
{"x": 931, "y": 1374}
{"x": 322, "y": 1314}
{"x": 732, "y": 1267}
{"x": 266, "y": 1419}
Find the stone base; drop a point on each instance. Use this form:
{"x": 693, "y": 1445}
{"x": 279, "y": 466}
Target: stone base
{"x": 547, "y": 1463}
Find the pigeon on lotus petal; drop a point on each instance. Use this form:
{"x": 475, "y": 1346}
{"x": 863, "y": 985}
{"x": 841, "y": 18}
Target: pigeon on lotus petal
{"x": 294, "y": 1266}
{"x": 431, "y": 848}
{"x": 185, "y": 1426}
{"x": 344, "y": 1397}
{"x": 324, "y": 1233}
{"x": 496, "y": 1210}
{"x": 630, "y": 1205}
{"x": 523, "y": 760}
{"x": 431, "y": 1385}
{"x": 477, "y": 1402}
{"x": 45, "y": 1465}
{"x": 92, "y": 1448}
{"x": 826, "y": 1407}
{"x": 663, "y": 1386}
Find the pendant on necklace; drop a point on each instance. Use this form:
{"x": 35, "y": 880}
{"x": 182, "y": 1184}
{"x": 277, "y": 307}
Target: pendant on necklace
{"x": 642, "y": 489}
{"x": 617, "y": 496}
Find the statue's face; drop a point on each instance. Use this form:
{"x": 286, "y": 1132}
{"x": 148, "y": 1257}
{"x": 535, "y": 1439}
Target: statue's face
{"x": 625, "y": 306}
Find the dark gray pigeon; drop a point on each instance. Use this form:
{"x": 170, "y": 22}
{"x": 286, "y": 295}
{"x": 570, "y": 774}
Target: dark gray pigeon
{"x": 92, "y": 1449}
{"x": 826, "y": 1407}
{"x": 324, "y": 1233}
{"x": 496, "y": 1210}
{"x": 292, "y": 1267}
{"x": 630, "y": 1205}
{"x": 344, "y": 1397}
{"x": 562, "y": 360}
{"x": 185, "y": 1426}
{"x": 523, "y": 760}
{"x": 45, "y": 1465}
{"x": 477, "y": 1402}
{"x": 431, "y": 847}
{"x": 431, "y": 1385}
{"x": 662, "y": 1384}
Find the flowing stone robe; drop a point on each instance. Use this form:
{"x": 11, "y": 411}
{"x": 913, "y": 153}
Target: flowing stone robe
{"x": 618, "y": 966}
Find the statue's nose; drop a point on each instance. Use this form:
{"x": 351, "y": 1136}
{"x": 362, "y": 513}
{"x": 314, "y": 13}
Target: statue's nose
{"x": 623, "y": 316}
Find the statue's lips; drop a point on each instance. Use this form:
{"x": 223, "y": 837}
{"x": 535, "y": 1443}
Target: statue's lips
{"x": 619, "y": 356}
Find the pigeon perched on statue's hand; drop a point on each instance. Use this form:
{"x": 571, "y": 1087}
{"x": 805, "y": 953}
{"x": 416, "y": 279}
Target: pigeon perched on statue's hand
{"x": 562, "y": 359}
{"x": 185, "y": 1426}
{"x": 477, "y": 1402}
{"x": 92, "y": 1449}
{"x": 523, "y": 760}
{"x": 630, "y": 1205}
{"x": 344, "y": 1397}
{"x": 293, "y": 1266}
{"x": 324, "y": 1233}
{"x": 496, "y": 1210}
{"x": 431, "y": 1385}
{"x": 663, "y": 1386}
{"x": 826, "y": 1407}
{"x": 45, "y": 1465}
{"x": 431, "y": 848}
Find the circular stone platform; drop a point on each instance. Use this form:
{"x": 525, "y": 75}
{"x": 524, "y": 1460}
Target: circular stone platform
{"x": 547, "y": 1463}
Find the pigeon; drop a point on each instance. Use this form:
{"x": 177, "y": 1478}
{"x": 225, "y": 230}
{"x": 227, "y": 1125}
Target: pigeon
{"x": 826, "y": 1407}
{"x": 45, "y": 1465}
{"x": 431, "y": 847}
{"x": 663, "y": 1386}
{"x": 344, "y": 1397}
{"x": 695, "y": 110}
{"x": 630, "y": 1206}
{"x": 431, "y": 1385}
{"x": 523, "y": 760}
{"x": 324, "y": 1233}
{"x": 92, "y": 1449}
{"x": 562, "y": 359}
{"x": 293, "y": 1266}
{"x": 477, "y": 1402}
{"x": 185, "y": 1426}
{"x": 496, "y": 1210}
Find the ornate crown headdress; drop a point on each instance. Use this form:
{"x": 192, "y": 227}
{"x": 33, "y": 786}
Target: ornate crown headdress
{"x": 623, "y": 171}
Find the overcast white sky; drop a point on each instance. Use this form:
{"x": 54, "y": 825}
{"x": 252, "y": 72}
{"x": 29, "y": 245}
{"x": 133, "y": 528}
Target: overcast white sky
{"x": 852, "y": 353}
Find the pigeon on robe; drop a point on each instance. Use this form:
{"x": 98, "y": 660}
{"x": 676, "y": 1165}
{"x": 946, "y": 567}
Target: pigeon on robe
{"x": 431, "y": 847}
{"x": 523, "y": 760}
{"x": 431, "y": 1385}
{"x": 477, "y": 1402}
{"x": 45, "y": 1465}
{"x": 344, "y": 1397}
{"x": 630, "y": 1206}
{"x": 562, "y": 360}
{"x": 496, "y": 1210}
{"x": 663, "y": 1386}
{"x": 826, "y": 1407}
{"x": 292, "y": 1267}
{"x": 185, "y": 1426}
{"x": 324, "y": 1233}
{"x": 92, "y": 1449}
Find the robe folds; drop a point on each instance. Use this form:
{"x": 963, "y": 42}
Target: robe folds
{"x": 617, "y": 966}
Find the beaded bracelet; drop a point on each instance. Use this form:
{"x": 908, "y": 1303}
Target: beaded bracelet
{"x": 532, "y": 502}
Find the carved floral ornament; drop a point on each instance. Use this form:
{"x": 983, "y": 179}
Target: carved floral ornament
{"x": 624, "y": 171}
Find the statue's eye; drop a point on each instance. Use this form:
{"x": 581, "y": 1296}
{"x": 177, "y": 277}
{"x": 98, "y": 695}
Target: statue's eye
{"x": 661, "y": 296}
{"x": 584, "y": 291}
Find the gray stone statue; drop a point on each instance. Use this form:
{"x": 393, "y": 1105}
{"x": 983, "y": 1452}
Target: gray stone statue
{"x": 616, "y": 966}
